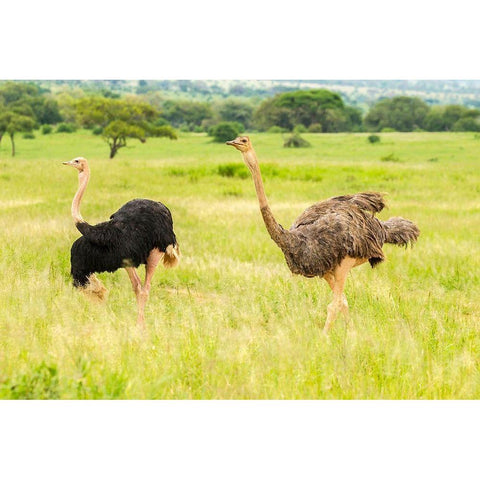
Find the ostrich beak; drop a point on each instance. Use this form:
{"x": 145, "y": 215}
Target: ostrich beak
{"x": 68, "y": 163}
{"x": 231, "y": 142}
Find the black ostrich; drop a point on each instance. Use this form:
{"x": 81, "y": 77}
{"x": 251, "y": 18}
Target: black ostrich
{"x": 140, "y": 232}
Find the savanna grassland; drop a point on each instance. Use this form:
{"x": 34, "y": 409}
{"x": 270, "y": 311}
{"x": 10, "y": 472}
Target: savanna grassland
{"x": 231, "y": 322}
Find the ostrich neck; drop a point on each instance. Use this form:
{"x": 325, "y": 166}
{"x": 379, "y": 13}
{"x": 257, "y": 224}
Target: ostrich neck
{"x": 83, "y": 178}
{"x": 276, "y": 231}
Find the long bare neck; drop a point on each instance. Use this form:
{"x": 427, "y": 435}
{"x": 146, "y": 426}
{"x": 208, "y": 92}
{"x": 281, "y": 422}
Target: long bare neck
{"x": 277, "y": 233}
{"x": 83, "y": 178}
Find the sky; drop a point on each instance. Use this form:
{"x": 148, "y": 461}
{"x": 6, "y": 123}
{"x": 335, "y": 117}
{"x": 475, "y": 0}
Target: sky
{"x": 229, "y": 40}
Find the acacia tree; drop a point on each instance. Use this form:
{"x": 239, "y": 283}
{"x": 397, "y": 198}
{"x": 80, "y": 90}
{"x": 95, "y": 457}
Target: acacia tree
{"x": 25, "y": 95}
{"x": 307, "y": 107}
{"x": 187, "y": 112}
{"x": 233, "y": 110}
{"x": 452, "y": 117}
{"x": 269, "y": 114}
{"x": 116, "y": 133}
{"x": 12, "y": 122}
{"x": 121, "y": 119}
{"x": 16, "y": 115}
{"x": 403, "y": 114}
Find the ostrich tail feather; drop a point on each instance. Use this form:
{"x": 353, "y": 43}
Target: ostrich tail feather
{"x": 171, "y": 256}
{"x": 400, "y": 231}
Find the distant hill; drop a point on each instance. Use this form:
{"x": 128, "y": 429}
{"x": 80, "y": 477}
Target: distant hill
{"x": 361, "y": 93}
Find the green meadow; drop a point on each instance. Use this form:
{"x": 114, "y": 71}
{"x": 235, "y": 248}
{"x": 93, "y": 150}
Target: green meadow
{"x": 231, "y": 322}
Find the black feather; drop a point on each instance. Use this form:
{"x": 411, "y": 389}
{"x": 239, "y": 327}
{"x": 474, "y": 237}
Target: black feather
{"x": 125, "y": 241}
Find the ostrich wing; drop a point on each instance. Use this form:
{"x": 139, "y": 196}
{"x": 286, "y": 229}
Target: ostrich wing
{"x": 103, "y": 234}
{"x": 372, "y": 202}
{"x": 140, "y": 222}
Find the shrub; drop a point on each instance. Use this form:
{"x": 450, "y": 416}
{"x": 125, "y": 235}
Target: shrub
{"x": 46, "y": 129}
{"x": 224, "y": 131}
{"x": 390, "y": 158}
{"x": 373, "y": 138}
{"x": 164, "y": 131}
{"x": 315, "y": 128}
{"x": 66, "y": 128}
{"x": 296, "y": 141}
{"x": 388, "y": 130}
{"x": 97, "y": 130}
{"x": 39, "y": 383}
{"x": 299, "y": 128}
{"x": 232, "y": 192}
{"x": 232, "y": 170}
{"x": 28, "y": 135}
{"x": 276, "y": 129}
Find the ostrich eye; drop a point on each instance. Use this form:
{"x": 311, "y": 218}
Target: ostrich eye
{"x": 76, "y": 161}
{"x": 244, "y": 140}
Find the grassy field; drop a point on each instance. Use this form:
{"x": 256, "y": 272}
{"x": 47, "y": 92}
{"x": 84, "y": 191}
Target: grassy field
{"x": 231, "y": 322}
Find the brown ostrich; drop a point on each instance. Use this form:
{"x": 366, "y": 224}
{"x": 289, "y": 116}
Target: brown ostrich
{"x": 140, "y": 232}
{"x": 331, "y": 237}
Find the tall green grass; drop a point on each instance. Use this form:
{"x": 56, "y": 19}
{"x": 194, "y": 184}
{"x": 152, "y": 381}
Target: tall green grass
{"x": 231, "y": 321}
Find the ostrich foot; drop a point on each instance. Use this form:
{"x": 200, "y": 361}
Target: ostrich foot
{"x": 95, "y": 290}
{"x": 332, "y": 312}
{"x": 346, "y": 313}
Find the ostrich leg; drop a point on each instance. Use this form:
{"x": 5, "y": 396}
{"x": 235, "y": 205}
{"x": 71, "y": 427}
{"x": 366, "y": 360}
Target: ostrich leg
{"x": 153, "y": 259}
{"x": 135, "y": 279}
{"x": 137, "y": 289}
{"x": 336, "y": 280}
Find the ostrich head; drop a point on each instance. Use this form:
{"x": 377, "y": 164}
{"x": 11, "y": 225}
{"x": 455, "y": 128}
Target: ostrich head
{"x": 241, "y": 143}
{"x": 244, "y": 144}
{"x": 79, "y": 163}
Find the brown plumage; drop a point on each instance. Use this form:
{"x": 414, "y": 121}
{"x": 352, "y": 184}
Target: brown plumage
{"x": 331, "y": 237}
